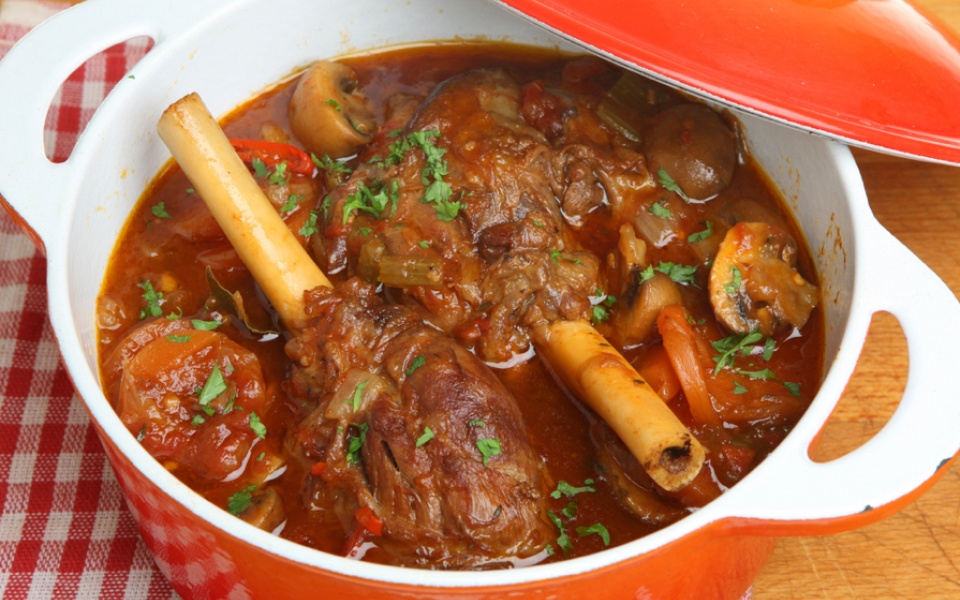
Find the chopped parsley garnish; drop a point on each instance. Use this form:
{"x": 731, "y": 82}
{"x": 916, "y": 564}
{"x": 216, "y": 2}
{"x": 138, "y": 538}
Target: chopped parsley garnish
{"x": 291, "y": 203}
{"x": 793, "y": 388}
{"x": 602, "y": 303}
{"x": 658, "y": 210}
{"x": 197, "y": 420}
{"x": 476, "y": 423}
{"x": 178, "y": 339}
{"x": 356, "y": 443}
{"x": 682, "y": 274}
{"x": 768, "y": 347}
{"x": 668, "y": 182}
{"x": 214, "y": 386}
{"x": 153, "y": 299}
{"x": 437, "y": 192}
{"x": 372, "y": 200}
{"x": 488, "y": 448}
{"x": 423, "y": 244}
{"x": 595, "y": 529}
{"x": 702, "y": 235}
{"x": 160, "y": 211}
{"x": 175, "y": 315}
{"x": 426, "y": 437}
{"x": 358, "y": 395}
{"x": 565, "y": 489}
{"x": 738, "y": 389}
{"x": 333, "y": 104}
{"x": 763, "y": 374}
{"x": 240, "y": 501}
{"x": 328, "y": 164}
{"x": 736, "y": 279}
{"x": 260, "y": 168}
{"x": 570, "y": 510}
{"x": 563, "y": 540}
{"x": 257, "y": 426}
{"x": 279, "y": 175}
{"x": 416, "y": 364}
{"x": 729, "y": 346}
{"x": 205, "y": 325}
{"x": 310, "y": 227}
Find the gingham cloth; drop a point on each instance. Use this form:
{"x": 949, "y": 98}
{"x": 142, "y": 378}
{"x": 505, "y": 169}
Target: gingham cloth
{"x": 65, "y": 531}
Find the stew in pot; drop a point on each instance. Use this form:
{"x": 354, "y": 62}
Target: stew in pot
{"x": 566, "y": 310}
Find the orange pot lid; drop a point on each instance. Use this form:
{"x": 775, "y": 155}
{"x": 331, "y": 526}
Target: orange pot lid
{"x": 874, "y": 73}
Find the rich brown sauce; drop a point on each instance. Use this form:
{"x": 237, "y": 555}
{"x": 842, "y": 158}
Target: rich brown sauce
{"x": 158, "y": 249}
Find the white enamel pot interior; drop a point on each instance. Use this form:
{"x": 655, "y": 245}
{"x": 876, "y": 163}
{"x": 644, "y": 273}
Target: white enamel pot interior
{"x": 228, "y": 51}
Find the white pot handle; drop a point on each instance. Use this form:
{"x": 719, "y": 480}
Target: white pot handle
{"x": 799, "y": 496}
{"x": 36, "y": 67}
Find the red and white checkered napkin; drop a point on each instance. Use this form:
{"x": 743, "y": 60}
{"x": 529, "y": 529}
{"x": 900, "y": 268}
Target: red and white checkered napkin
{"x": 65, "y": 531}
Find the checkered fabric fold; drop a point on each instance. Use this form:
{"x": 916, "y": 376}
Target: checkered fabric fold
{"x": 65, "y": 531}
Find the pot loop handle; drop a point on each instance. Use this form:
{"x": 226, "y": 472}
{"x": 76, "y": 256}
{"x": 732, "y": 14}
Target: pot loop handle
{"x": 32, "y": 72}
{"x": 801, "y": 497}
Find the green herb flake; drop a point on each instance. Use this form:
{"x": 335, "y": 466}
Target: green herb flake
{"x": 358, "y": 395}
{"x": 682, "y": 274}
{"x": 152, "y": 298}
{"x": 426, "y": 437}
{"x": 793, "y": 388}
{"x": 356, "y": 444}
{"x": 197, "y": 420}
{"x": 488, "y": 448}
{"x": 565, "y": 489}
{"x": 240, "y": 501}
{"x": 160, "y": 211}
{"x": 201, "y": 325}
{"x": 175, "y": 315}
{"x": 563, "y": 540}
{"x": 595, "y": 529}
{"x": 333, "y": 104}
{"x": 668, "y": 182}
{"x": 731, "y": 345}
{"x": 570, "y": 511}
{"x": 261, "y": 456}
{"x": 179, "y": 339}
{"x": 416, "y": 364}
{"x": 257, "y": 426}
{"x": 738, "y": 389}
{"x": 214, "y": 386}
{"x": 658, "y": 210}
{"x": 763, "y": 374}
{"x": 291, "y": 203}
{"x": 733, "y": 288}
{"x": 476, "y": 423}
{"x": 768, "y": 347}
{"x": 279, "y": 175}
{"x": 260, "y": 168}
{"x": 310, "y": 227}
{"x": 328, "y": 164}
{"x": 373, "y": 200}
{"x": 423, "y": 244}
{"x": 701, "y": 235}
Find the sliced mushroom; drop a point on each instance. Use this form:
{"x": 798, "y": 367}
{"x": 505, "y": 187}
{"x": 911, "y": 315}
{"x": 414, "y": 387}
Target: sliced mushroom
{"x": 329, "y": 113}
{"x": 754, "y": 284}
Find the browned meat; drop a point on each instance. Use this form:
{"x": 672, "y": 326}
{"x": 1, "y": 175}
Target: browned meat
{"x": 409, "y": 425}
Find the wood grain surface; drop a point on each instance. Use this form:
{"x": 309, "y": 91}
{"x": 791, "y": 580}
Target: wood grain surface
{"x": 915, "y": 553}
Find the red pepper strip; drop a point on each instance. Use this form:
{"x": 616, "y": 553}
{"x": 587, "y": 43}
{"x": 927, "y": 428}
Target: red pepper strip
{"x": 318, "y": 468}
{"x": 368, "y": 520}
{"x": 274, "y": 153}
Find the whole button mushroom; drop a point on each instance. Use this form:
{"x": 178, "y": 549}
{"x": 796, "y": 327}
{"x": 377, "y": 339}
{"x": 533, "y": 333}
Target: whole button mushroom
{"x": 328, "y": 112}
{"x": 695, "y": 148}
